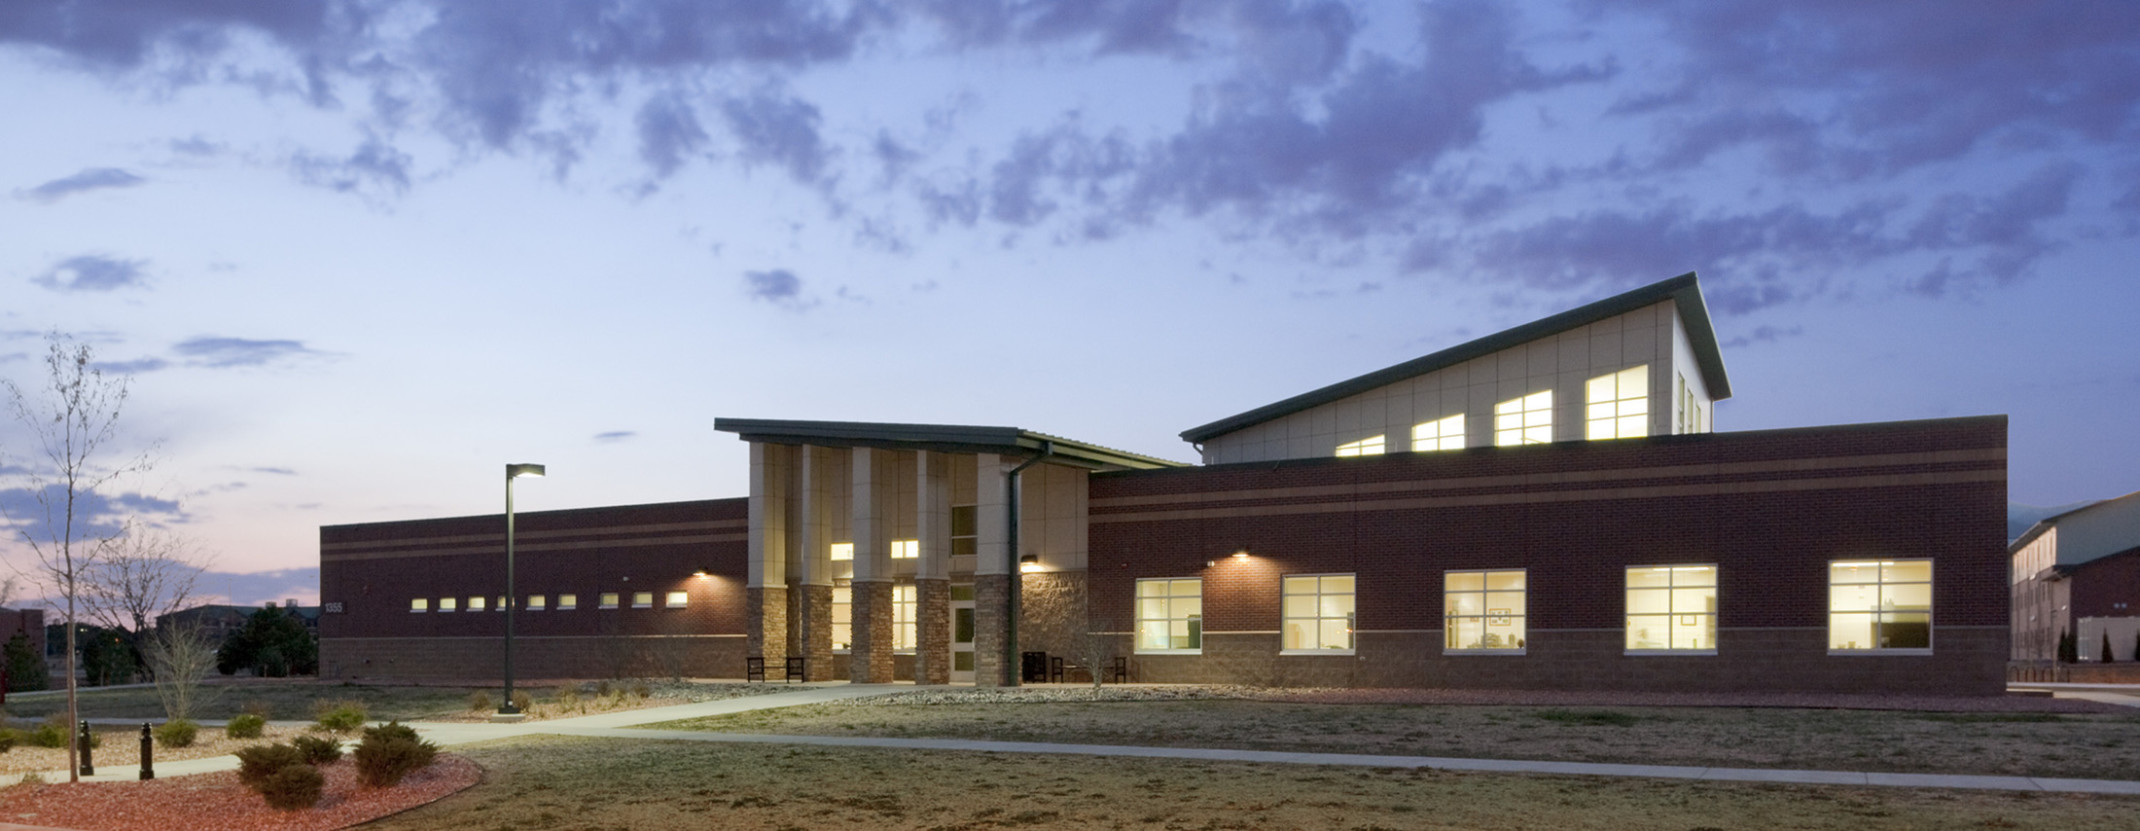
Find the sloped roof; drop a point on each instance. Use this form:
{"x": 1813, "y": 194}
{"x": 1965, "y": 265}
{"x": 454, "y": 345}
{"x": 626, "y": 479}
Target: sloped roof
{"x": 1685, "y": 291}
{"x": 947, "y": 438}
{"x": 2046, "y": 523}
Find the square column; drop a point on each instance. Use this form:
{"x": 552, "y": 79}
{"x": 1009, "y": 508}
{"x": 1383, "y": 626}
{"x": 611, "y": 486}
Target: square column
{"x": 932, "y": 577}
{"x": 870, "y": 521}
{"x": 991, "y": 573}
{"x": 766, "y": 591}
{"x": 813, "y": 563}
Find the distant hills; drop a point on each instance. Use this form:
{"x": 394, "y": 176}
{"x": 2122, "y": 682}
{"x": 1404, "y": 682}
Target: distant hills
{"x": 2019, "y": 517}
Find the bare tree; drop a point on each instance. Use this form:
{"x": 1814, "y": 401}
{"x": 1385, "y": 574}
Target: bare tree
{"x": 72, "y": 419}
{"x": 144, "y": 573}
{"x": 180, "y": 656}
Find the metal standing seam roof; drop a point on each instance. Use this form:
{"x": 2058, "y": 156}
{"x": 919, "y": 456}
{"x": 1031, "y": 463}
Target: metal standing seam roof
{"x": 949, "y": 438}
{"x": 2039, "y": 526}
{"x": 1685, "y": 291}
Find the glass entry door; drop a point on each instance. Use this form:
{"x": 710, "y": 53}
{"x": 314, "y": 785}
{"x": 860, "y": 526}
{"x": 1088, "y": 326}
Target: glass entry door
{"x": 962, "y": 633}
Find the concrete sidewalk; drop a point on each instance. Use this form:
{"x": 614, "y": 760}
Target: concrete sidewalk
{"x": 618, "y": 725}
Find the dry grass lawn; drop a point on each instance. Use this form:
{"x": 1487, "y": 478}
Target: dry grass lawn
{"x": 122, "y": 747}
{"x": 580, "y": 783}
{"x": 2090, "y": 746}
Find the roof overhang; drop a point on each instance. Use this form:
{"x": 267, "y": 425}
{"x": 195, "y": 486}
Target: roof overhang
{"x": 941, "y": 438}
{"x": 1685, "y": 292}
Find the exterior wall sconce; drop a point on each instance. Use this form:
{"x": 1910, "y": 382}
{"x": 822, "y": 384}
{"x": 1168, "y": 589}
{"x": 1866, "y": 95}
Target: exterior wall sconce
{"x": 1241, "y": 554}
{"x": 1029, "y": 564}
{"x": 702, "y": 573}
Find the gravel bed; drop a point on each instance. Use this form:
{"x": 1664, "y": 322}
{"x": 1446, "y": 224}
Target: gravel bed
{"x": 1540, "y": 698}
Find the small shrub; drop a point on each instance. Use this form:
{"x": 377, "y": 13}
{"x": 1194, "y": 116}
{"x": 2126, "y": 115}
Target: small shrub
{"x": 257, "y": 763}
{"x": 257, "y": 707}
{"x": 340, "y": 716}
{"x": 317, "y": 750}
{"x": 293, "y": 788}
{"x": 177, "y": 733}
{"x": 245, "y": 726}
{"x": 641, "y": 690}
{"x": 523, "y": 701}
{"x": 602, "y": 687}
{"x": 55, "y": 732}
{"x": 8, "y": 739}
{"x": 478, "y": 701}
{"x": 31, "y": 778}
{"x": 569, "y": 699}
{"x": 389, "y": 752}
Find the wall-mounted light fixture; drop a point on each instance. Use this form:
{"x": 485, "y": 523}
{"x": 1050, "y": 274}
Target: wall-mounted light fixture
{"x": 702, "y": 573}
{"x": 1240, "y": 554}
{"x": 1029, "y": 563}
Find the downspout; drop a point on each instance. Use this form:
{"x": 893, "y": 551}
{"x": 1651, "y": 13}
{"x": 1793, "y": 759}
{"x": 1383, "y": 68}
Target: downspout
{"x": 1011, "y": 669}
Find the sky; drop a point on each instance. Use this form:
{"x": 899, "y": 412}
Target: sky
{"x": 353, "y": 256}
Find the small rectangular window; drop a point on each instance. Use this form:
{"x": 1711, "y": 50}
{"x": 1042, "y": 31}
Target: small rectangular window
{"x": 536, "y": 602}
{"x": 965, "y": 530}
{"x": 1318, "y": 613}
{"x": 421, "y": 604}
{"x": 1619, "y": 405}
{"x": 1483, "y": 611}
{"x": 843, "y": 551}
{"x": 501, "y": 603}
{"x": 475, "y": 603}
{"x": 1370, "y": 446}
{"x": 1170, "y": 615}
{"x": 1440, "y": 434}
{"x": 568, "y": 601}
{"x": 1671, "y": 609}
{"x": 676, "y": 600}
{"x": 906, "y": 549}
{"x": 448, "y": 604}
{"x": 1880, "y": 605}
{"x": 843, "y": 618}
{"x": 608, "y": 600}
{"x": 642, "y": 600}
{"x": 905, "y": 625}
{"x": 1526, "y": 420}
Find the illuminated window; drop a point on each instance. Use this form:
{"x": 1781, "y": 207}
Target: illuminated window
{"x": 1441, "y": 434}
{"x": 608, "y": 600}
{"x": 906, "y": 549}
{"x": 421, "y": 604}
{"x": 1318, "y": 613}
{"x": 501, "y": 603}
{"x": 904, "y": 626}
{"x": 1671, "y": 609}
{"x": 448, "y": 604}
{"x": 1483, "y": 610}
{"x": 843, "y": 618}
{"x": 1880, "y": 604}
{"x": 1370, "y": 446}
{"x": 965, "y": 532}
{"x": 843, "y": 551}
{"x": 1619, "y": 405}
{"x": 1170, "y": 615}
{"x": 642, "y": 600}
{"x": 568, "y": 601}
{"x": 1526, "y": 420}
{"x": 676, "y": 600}
{"x": 536, "y": 602}
{"x": 475, "y": 604}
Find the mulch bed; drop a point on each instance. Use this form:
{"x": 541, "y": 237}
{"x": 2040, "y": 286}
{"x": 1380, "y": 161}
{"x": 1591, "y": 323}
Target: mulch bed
{"x": 213, "y": 801}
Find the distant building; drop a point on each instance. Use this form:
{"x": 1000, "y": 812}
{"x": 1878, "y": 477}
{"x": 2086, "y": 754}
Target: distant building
{"x": 2078, "y": 572}
{"x": 29, "y": 623}
{"x": 217, "y": 620}
{"x": 1547, "y": 507}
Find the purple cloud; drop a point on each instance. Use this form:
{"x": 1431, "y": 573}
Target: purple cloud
{"x": 91, "y": 272}
{"x": 95, "y": 178}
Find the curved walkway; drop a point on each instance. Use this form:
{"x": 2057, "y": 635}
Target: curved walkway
{"x": 620, "y": 725}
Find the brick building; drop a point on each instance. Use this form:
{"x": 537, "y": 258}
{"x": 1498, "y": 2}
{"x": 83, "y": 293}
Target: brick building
{"x": 1546, "y": 507}
{"x": 2078, "y": 573}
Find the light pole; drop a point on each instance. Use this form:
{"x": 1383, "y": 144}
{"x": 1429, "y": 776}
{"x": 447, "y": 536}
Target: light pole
{"x": 511, "y": 593}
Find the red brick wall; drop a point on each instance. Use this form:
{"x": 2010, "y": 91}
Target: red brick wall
{"x": 1769, "y": 508}
{"x": 373, "y": 570}
{"x": 2108, "y": 587}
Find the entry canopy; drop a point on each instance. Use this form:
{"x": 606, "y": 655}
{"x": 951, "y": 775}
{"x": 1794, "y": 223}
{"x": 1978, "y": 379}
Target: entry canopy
{"x": 941, "y": 438}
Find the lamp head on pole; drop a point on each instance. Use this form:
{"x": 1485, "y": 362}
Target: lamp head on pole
{"x": 517, "y": 471}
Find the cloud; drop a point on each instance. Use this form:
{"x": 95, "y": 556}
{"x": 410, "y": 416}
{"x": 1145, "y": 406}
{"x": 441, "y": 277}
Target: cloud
{"x": 778, "y": 286}
{"x": 615, "y": 436}
{"x": 95, "y": 178}
{"x": 122, "y": 34}
{"x": 1764, "y": 334}
{"x": 91, "y": 272}
{"x": 134, "y": 367}
{"x": 668, "y": 131}
{"x": 778, "y": 129}
{"x": 221, "y": 353}
{"x": 97, "y": 514}
{"x": 261, "y": 587}
{"x": 373, "y": 166}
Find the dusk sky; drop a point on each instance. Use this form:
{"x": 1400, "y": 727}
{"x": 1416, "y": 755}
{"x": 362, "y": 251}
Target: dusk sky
{"x": 357, "y": 255}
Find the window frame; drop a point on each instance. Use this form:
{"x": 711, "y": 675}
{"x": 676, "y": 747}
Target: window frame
{"x": 1880, "y": 584}
{"x": 536, "y": 603}
{"x": 1433, "y": 436}
{"x": 1521, "y": 412}
{"x": 1352, "y": 618}
{"x": 676, "y": 599}
{"x": 832, "y": 618}
{"x": 1374, "y": 445}
{"x": 906, "y": 618}
{"x": 1670, "y": 589}
{"x": 607, "y": 600}
{"x": 1595, "y": 425}
{"x": 642, "y": 600}
{"x": 568, "y": 602}
{"x": 1486, "y": 611}
{"x": 419, "y": 605}
{"x": 448, "y": 604}
{"x": 1196, "y": 630}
